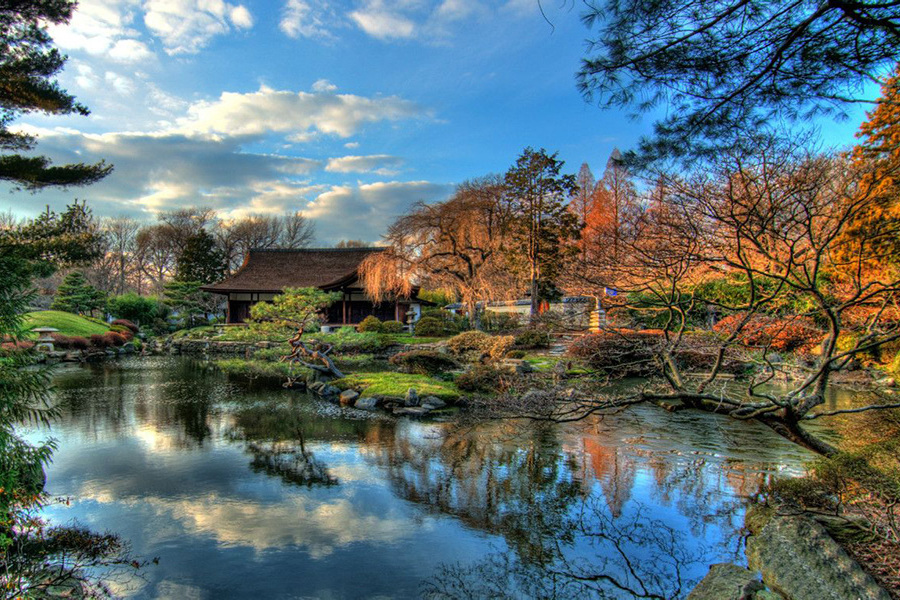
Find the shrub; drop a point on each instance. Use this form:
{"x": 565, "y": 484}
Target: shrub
{"x": 115, "y": 339}
{"x": 515, "y": 354}
{"x": 60, "y": 341}
{"x": 124, "y": 331}
{"x": 79, "y": 343}
{"x": 481, "y": 379}
{"x": 451, "y": 322}
{"x": 429, "y": 327}
{"x": 425, "y": 362}
{"x": 392, "y": 327}
{"x": 496, "y": 347}
{"x": 370, "y": 324}
{"x": 125, "y": 323}
{"x": 99, "y": 340}
{"x": 499, "y": 321}
{"x": 780, "y": 334}
{"x": 624, "y": 353}
{"x": 533, "y": 338}
{"x": 467, "y": 341}
{"x": 20, "y": 345}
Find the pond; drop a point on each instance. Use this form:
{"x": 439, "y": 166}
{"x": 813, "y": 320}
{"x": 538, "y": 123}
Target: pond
{"x": 247, "y": 491}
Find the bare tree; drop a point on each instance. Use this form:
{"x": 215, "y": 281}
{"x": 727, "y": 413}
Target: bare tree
{"x": 455, "y": 245}
{"x": 155, "y": 255}
{"x": 775, "y": 219}
{"x": 238, "y": 236}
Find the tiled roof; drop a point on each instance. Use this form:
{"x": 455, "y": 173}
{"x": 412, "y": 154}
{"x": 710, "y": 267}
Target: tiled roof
{"x": 274, "y": 270}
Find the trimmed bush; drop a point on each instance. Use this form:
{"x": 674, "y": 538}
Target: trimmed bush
{"x": 468, "y": 341}
{"x": 429, "y": 327}
{"x": 20, "y": 345}
{"x": 79, "y": 343}
{"x": 126, "y": 324}
{"x": 425, "y": 362}
{"x": 515, "y": 354}
{"x": 124, "y": 331}
{"x": 100, "y": 341}
{"x": 370, "y": 324}
{"x": 115, "y": 339}
{"x": 480, "y": 379}
{"x": 61, "y": 342}
{"x": 533, "y": 338}
{"x": 392, "y": 327}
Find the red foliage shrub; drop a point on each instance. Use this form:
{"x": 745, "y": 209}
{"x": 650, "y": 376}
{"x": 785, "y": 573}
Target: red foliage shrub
{"x": 782, "y": 334}
{"x": 79, "y": 343}
{"x": 13, "y": 346}
{"x": 114, "y": 338}
{"x": 100, "y": 341}
{"x": 126, "y": 324}
{"x": 121, "y": 329}
{"x": 61, "y": 342}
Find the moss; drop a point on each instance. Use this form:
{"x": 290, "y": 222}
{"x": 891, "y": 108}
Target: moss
{"x": 254, "y": 369}
{"x": 396, "y": 384}
{"x": 68, "y": 323}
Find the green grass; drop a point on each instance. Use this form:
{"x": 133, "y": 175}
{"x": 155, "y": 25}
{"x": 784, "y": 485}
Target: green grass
{"x": 397, "y": 384}
{"x": 67, "y": 323}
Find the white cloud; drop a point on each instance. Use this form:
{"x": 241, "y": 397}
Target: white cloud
{"x": 383, "y": 23}
{"x": 302, "y": 18}
{"x": 323, "y": 85}
{"x": 186, "y": 26}
{"x": 364, "y": 211}
{"x": 274, "y": 111}
{"x": 377, "y": 163}
{"x": 103, "y": 28}
{"x": 351, "y": 145}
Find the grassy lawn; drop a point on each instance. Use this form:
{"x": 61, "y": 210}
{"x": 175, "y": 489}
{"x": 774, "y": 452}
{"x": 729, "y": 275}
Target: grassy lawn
{"x": 67, "y": 323}
{"x": 396, "y": 384}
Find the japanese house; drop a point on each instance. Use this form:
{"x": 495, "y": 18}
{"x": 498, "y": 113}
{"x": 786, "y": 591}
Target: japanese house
{"x": 265, "y": 273}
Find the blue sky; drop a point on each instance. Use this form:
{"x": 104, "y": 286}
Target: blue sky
{"x": 348, "y": 111}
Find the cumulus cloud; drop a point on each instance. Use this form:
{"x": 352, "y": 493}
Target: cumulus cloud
{"x": 364, "y": 211}
{"x": 274, "y": 111}
{"x": 103, "y": 28}
{"x": 383, "y": 23}
{"x": 324, "y": 86}
{"x": 309, "y": 19}
{"x": 373, "y": 163}
{"x": 186, "y": 26}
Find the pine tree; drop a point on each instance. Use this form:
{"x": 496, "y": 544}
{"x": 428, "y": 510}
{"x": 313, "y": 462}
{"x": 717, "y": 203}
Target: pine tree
{"x": 543, "y": 224}
{"x": 201, "y": 260}
{"x": 76, "y": 295}
{"x": 28, "y": 62}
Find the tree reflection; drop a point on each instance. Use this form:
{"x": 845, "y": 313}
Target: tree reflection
{"x": 633, "y": 556}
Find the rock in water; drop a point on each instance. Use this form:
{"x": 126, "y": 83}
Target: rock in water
{"x": 348, "y": 397}
{"x": 368, "y": 403}
{"x": 433, "y": 402}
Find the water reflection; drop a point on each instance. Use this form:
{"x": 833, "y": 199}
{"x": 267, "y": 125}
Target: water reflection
{"x": 246, "y": 491}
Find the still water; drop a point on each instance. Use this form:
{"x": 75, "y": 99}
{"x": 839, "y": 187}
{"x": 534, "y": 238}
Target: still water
{"x": 250, "y": 491}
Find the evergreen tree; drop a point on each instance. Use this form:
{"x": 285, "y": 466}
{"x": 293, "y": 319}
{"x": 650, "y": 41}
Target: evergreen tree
{"x": 201, "y": 260}
{"x": 27, "y": 64}
{"x": 76, "y": 295}
{"x": 543, "y": 224}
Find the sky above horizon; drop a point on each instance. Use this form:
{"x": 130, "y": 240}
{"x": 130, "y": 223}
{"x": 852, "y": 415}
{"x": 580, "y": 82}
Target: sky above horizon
{"x": 348, "y": 111}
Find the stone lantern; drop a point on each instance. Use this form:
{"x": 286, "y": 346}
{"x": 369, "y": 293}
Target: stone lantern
{"x": 45, "y": 338}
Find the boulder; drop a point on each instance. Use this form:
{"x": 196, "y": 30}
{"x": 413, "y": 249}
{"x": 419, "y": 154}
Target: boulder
{"x": 367, "y": 403}
{"x": 798, "y": 558}
{"x": 412, "y": 398}
{"x": 348, "y": 397}
{"x": 433, "y": 402}
{"x": 728, "y": 582}
{"x": 411, "y": 411}
{"x": 329, "y": 391}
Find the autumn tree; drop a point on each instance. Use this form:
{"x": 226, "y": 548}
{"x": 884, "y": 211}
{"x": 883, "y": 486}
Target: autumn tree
{"x": 774, "y": 220}
{"x": 28, "y": 63}
{"x": 721, "y": 66}
{"x": 615, "y": 205}
{"x": 541, "y": 225}
{"x": 878, "y": 158}
{"x": 456, "y": 245}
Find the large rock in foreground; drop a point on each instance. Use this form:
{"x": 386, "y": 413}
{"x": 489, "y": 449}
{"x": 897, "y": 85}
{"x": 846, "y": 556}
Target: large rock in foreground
{"x": 798, "y": 558}
{"x": 728, "y": 582}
